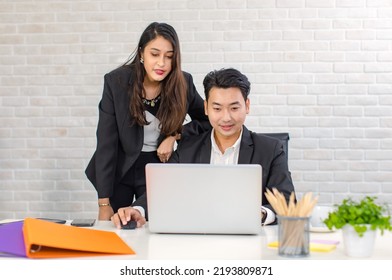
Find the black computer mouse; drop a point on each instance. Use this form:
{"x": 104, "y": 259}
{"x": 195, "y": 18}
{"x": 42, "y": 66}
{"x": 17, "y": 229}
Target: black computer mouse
{"x": 130, "y": 225}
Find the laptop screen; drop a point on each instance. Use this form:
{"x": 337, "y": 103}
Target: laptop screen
{"x": 204, "y": 198}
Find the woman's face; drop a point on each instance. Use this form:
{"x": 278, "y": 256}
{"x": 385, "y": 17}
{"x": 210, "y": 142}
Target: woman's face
{"x": 157, "y": 55}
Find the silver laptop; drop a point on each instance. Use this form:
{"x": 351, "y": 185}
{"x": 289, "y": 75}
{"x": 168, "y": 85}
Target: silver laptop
{"x": 204, "y": 198}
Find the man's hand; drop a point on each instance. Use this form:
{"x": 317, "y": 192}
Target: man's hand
{"x": 124, "y": 215}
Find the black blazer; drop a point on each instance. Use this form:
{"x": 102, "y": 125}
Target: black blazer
{"x": 118, "y": 142}
{"x": 254, "y": 149}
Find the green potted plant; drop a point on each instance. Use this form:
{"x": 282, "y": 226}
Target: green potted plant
{"x": 359, "y": 222}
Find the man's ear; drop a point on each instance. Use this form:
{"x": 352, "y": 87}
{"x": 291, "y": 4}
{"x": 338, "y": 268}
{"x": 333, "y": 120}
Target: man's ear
{"x": 247, "y": 105}
{"x": 205, "y": 108}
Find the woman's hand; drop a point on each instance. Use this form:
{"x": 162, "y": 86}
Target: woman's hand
{"x": 165, "y": 150}
{"x": 105, "y": 213}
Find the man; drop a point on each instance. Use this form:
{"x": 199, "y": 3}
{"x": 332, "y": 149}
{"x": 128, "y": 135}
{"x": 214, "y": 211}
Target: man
{"x": 229, "y": 141}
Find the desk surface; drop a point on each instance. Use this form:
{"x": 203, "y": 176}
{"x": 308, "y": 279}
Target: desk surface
{"x": 225, "y": 247}
{"x": 152, "y": 246}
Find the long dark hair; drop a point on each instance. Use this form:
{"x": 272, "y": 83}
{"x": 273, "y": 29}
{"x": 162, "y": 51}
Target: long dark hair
{"x": 172, "y": 109}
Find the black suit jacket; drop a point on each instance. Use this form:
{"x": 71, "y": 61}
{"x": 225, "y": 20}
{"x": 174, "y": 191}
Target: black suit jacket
{"x": 254, "y": 149}
{"x": 118, "y": 142}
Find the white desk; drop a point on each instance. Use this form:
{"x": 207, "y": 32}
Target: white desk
{"x": 206, "y": 254}
{"x": 152, "y": 246}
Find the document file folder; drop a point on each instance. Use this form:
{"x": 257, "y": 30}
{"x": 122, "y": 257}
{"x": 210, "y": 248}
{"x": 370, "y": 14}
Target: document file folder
{"x": 11, "y": 239}
{"x": 43, "y": 239}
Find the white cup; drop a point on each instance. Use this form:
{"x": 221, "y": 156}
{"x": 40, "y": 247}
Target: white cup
{"x": 319, "y": 214}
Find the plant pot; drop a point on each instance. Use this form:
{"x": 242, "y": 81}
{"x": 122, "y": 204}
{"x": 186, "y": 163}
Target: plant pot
{"x": 357, "y": 246}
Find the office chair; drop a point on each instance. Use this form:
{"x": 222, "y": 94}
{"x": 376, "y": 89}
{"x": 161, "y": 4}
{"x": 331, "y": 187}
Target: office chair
{"x": 284, "y": 137}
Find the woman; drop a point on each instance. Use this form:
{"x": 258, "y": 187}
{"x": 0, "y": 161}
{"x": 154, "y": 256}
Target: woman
{"x": 141, "y": 115}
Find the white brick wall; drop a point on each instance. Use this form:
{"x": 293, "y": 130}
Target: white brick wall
{"x": 320, "y": 70}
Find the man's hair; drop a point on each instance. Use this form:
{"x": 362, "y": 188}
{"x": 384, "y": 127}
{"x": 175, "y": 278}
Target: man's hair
{"x": 226, "y": 78}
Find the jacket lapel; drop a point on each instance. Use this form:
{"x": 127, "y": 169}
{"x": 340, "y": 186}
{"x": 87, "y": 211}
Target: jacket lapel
{"x": 205, "y": 153}
{"x": 246, "y": 148}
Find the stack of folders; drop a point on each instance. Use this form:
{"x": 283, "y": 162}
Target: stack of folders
{"x": 34, "y": 238}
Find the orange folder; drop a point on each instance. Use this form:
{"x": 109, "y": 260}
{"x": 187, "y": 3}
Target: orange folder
{"x": 45, "y": 239}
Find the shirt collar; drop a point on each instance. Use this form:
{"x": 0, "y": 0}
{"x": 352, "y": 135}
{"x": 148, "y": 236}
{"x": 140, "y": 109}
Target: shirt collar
{"x": 215, "y": 148}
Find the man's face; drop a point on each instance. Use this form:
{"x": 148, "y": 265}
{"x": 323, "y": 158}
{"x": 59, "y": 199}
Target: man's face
{"x": 226, "y": 110}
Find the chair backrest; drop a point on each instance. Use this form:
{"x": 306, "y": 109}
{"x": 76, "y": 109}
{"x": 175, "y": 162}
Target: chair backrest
{"x": 284, "y": 137}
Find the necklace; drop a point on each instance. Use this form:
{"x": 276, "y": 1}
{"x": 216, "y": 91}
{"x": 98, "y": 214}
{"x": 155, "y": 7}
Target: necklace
{"x": 151, "y": 102}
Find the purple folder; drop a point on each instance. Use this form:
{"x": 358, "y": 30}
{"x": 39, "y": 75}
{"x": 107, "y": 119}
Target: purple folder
{"x": 12, "y": 240}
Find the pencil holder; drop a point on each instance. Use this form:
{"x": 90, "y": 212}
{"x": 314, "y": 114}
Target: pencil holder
{"x": 293, "y": 236}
